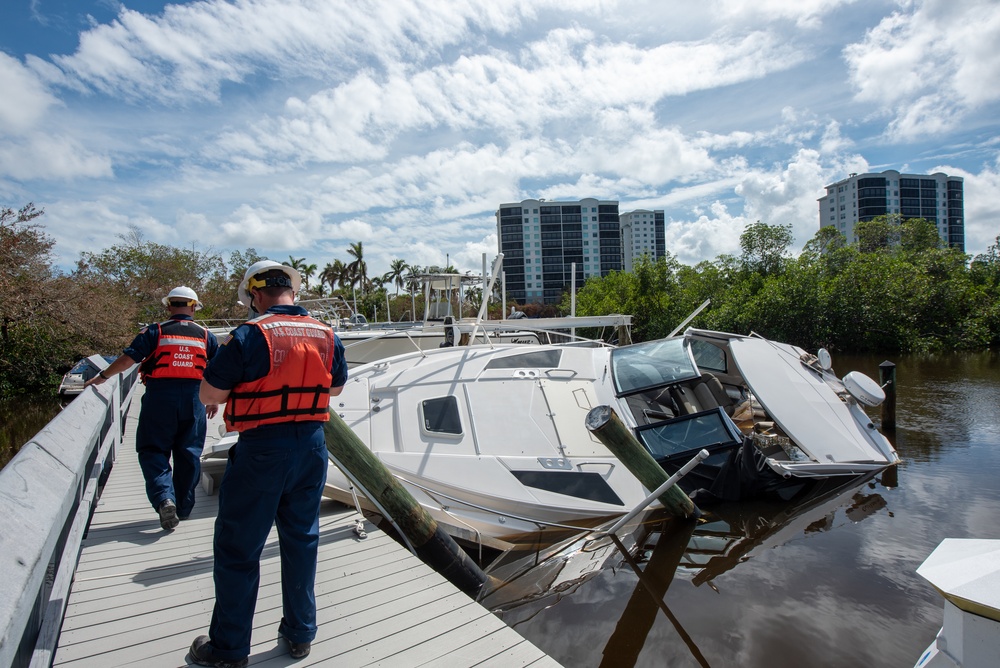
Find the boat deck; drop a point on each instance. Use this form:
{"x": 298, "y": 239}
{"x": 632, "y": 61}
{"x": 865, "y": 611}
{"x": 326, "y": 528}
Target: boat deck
{"x": 141, "y": 594}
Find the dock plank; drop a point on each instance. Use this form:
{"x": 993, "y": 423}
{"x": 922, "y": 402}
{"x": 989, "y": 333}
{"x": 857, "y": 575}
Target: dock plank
{"x": 140, "y": 594}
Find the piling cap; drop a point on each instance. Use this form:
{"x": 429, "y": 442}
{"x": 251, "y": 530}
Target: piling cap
{"x": 966, "y": 571}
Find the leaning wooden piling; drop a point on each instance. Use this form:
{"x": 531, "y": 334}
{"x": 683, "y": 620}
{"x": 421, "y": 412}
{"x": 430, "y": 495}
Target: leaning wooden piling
{"x": 887, "y": 379}
{"x": 429, "y": 541}
{"x": 605, "y": 424}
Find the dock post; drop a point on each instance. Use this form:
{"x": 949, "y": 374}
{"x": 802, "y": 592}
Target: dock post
{"x": 887, "y": 379}
{"x": 605, "y": 424}
{"x": 428, "y": 540}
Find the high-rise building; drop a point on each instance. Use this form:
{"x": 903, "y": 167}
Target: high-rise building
{"x": 541, "y": 240}
{"x": 643, "y": 233}
{"x": 860, "y": 197}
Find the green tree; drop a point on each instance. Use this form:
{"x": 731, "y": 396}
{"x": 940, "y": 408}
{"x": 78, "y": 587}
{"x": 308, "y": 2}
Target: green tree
{"x": 147, "y": 271}
{"x": 397, "y": 272}
{"x": 358, "y": 269}
{"x": 334, "y": 274}
{"x": 765, "y": 247}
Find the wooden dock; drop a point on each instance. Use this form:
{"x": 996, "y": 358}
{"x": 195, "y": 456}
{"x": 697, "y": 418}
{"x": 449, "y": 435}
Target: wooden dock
{"x": 140, "y": 595}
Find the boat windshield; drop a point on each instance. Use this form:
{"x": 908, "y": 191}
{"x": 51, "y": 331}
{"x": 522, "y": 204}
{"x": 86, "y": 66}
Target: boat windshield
{"x": 646, "y": 365}
{"x": 684, "y": 436}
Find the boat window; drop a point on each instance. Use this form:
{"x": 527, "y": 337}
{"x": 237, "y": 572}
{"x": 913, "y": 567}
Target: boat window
{"x": 690, "y": 433}
{"x": 540, "y": 359}
{"x": 583, "y": 485}
{"x": 646, "y": 365}
{"x": 708, "y": 357}
{"x": 441, "y": 415}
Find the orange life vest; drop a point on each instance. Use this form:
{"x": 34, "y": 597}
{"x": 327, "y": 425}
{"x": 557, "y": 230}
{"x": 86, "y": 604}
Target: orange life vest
{"x": 297, "y": 388}
{"x": 181, "y": 352}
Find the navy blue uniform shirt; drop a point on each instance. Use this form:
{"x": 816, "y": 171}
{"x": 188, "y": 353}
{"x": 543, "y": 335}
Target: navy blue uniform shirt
{"x": 244, "y": 357}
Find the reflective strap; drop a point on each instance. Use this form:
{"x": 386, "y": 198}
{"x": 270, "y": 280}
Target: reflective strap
{"x": 182, "y": 341}
{"x": 295, "y": 323}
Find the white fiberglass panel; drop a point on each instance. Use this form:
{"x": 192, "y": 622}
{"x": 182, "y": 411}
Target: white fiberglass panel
{"x": 511, "y": 417}
{"x": 805, "y": 407}
{"x": 569, "y": 401}
{"x": 352, "y": 406}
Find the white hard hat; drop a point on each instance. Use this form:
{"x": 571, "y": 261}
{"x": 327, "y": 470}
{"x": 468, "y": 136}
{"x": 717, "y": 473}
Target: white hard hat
{"x": 260, "y": 268}
{"x": 182, "y": 292}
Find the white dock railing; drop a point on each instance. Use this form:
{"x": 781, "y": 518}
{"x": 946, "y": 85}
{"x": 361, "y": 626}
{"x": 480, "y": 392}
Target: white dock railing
{"x": 47, "y": 495}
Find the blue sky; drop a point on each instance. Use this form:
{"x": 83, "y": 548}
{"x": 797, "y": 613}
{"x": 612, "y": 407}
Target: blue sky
{"x": 297, "y": 127}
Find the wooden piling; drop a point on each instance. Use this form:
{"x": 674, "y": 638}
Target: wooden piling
{"x": 887, "y": 379}
{"x": 605, "y": 424}
{"x": 429, "y": 541}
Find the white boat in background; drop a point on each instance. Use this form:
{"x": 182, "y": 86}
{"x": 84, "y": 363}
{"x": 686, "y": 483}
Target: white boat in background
{"x": 445, "y": 325}
{"x": 444, "y": 322}
{"x": 73, "y": 380}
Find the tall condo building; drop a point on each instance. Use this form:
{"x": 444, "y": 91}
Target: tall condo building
{"x": 541, "y": 240}
{"x": 860, "y": 197}
{"x": 642, "y": 234}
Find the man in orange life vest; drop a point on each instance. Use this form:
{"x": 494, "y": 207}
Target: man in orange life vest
{"x": 276, "y": 374}
{"x": 172, "y": 421}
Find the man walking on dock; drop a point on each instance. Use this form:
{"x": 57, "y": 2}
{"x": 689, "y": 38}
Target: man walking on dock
{"x": 276, "y": 374}
{"x": 172, "y": 421}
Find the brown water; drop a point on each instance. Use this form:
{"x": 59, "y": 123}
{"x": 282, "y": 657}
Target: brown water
{"x": 829, "y": 583}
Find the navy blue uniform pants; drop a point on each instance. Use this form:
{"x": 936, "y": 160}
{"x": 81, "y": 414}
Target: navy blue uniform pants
{"x": 171, "y": 424}
{"x": 275, "y": 475}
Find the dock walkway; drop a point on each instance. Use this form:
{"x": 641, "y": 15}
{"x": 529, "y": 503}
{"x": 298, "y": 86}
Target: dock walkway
{"x": 140, "y": 594}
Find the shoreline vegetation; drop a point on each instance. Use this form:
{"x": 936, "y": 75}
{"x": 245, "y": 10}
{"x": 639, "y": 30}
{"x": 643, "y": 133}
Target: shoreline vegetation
{"x": 897, "y": 289}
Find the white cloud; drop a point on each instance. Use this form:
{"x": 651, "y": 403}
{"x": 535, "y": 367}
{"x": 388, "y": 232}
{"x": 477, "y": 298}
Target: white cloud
{"x": 982, "y": 205}
{"x": 300, "y": 126}
{"x": 25, "y": 99}
{"x": 929, "y": 67}
{"x": 39, "y": 156}
{"x": 804, "y": 13}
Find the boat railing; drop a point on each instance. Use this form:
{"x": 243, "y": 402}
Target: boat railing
{"x": 48, "y": 493}
{"x": 655, "y": 494}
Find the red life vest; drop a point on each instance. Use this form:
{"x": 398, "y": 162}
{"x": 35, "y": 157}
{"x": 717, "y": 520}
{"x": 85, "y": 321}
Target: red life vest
{"x": 181, "y": 352}
{"x": 297, "y": 389}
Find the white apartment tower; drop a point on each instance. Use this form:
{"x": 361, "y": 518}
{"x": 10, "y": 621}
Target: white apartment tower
{"x": 642, "y": 234}
{"x": 541, "y": 241}
{"x": 860, "y": 197}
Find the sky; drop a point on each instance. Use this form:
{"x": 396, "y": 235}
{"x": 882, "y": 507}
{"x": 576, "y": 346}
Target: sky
{"x": 299, "y": 127}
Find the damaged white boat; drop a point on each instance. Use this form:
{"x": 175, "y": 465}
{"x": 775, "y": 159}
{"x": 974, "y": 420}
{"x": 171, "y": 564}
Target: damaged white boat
{"x": 492, "y": 441}
{"x": 775, "y": 418}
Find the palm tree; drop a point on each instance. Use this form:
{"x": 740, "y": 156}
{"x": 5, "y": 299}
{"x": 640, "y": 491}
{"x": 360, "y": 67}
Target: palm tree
{"x": 395, "y": 275}
{"x": 307, "y": 271}
{"x": 412, "y": 280}
{"x": 357, "y": 270}
{"x": 334, "y": 274}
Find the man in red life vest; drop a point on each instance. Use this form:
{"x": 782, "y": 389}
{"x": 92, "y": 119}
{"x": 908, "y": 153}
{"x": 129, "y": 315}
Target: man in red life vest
{"x": 275, "y": 374}
{"x": 172, "y": 421}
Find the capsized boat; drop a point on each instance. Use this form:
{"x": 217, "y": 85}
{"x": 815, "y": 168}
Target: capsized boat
{"x": 492, "y": 440}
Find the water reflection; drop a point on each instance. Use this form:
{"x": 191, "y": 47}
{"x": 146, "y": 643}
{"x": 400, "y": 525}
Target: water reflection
{"x": 829, "y": 581}
{"x": 654, "y": 551}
